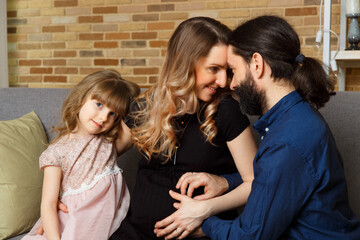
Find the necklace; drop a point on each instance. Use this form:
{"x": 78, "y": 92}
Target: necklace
{"x": 182, "y": 122}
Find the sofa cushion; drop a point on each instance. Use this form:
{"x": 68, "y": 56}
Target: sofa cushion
{"x": 22, "y": 140}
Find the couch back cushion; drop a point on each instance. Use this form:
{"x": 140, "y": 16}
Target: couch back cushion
{"x": 341, "y": 113}
{"x": 45, "y": 102}
{"x": 22, "y": 140}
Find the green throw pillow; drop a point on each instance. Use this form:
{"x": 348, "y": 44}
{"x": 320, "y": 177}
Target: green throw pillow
{"x": 22, "y": 141}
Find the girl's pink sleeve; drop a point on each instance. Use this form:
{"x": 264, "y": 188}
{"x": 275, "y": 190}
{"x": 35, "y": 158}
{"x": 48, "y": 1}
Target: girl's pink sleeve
{"x": 49, "y": 158}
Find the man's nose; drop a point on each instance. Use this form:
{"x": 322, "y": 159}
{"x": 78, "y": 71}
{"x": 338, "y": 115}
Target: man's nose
{"x": 233, "y": 84}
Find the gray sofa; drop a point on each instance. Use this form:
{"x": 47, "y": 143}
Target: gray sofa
{"x": 342, "y": 114}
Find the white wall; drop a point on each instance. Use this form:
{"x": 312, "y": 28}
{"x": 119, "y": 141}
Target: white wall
{"x": 4, "y": 76}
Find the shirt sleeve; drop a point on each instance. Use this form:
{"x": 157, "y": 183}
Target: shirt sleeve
{"x": 49, "y": 158}
{"x": 217, "y": 228}
{"x": 281, "y": 187}
{"x": 233, "y": 179}
{"x": 229, "y": 119}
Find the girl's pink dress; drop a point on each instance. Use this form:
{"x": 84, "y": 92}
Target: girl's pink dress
{"x": 92, "y": 187}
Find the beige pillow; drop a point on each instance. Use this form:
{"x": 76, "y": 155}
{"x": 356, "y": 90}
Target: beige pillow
{"x": 22, "y": 141}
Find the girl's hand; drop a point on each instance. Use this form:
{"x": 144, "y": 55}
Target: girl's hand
{"x": 213, "y": 185}
{"x": 61, "y": 207}
{"x": 189, "y": 216}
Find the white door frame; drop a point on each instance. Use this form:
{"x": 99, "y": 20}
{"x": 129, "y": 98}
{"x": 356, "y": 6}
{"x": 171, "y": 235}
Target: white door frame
{"x": 4, "y": 72}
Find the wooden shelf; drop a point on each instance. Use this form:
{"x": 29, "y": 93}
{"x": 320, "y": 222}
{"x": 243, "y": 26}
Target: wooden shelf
{"x": 348, "y": 55}
{"x": 348, "y": 58}
{"x": 344, "y": 58}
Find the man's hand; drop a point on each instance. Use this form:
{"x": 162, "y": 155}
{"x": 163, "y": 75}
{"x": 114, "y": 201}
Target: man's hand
{"x": 61, "y": 207}
{"x": 189, "y": 216}
{"x": 213, "y": 185}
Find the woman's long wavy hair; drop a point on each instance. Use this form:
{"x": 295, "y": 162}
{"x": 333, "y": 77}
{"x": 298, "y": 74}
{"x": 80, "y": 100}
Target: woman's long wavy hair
{"x": 174, "y": 94}
{"x": 106, "y": 86}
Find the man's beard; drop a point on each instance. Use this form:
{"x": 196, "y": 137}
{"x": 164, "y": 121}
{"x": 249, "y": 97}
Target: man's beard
{"x": 251, "y": 101}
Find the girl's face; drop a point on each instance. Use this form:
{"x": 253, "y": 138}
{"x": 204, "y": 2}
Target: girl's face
{"x": 95, "y": 118}
{"x": 210, "y": 72}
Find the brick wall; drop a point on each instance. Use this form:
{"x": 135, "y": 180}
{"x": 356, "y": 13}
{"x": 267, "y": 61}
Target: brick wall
{"x": 55, "y": 43}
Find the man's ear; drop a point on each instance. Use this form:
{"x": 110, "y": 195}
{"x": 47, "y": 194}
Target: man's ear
{"x": 257, "y": 65}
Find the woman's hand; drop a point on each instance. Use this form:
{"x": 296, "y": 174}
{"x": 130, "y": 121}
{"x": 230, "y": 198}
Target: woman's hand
{"x": 189, "y": 216}
{"x": 213, "y": 185}
{"x": 61, "y": 207}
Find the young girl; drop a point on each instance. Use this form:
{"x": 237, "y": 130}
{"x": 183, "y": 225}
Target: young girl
{"x": 80, "y": 164}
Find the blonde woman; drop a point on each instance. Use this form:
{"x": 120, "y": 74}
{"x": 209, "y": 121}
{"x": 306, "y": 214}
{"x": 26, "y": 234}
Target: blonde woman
{"x": 187, "y": 123}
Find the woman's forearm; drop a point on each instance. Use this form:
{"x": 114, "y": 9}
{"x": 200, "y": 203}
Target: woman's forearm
{"x": 231, "y": 200}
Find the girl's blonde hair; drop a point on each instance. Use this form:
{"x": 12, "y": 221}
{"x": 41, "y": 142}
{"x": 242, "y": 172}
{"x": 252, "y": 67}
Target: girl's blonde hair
{"x": 107, "y": 87}
{"x": 174, "y": 94}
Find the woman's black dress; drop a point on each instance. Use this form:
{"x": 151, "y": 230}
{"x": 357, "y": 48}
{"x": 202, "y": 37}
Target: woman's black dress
{"x": 150, "y": 199}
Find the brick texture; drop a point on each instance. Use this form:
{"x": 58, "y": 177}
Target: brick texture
{"x": 133, "y": 62}
{"x": 160, "y": 7}
{"x": 11, "y": 14}
{"x": 106, "y": 62}
{"x": 145, "y": 71}
{"x": 29, "y": 62}
{"x": 105, "y": 44}
{"x": 56, "y": 43}
{"x": 41, "y": 70}
{"x": 91, "y": 36}
{"x": 301, "y": 11}
{"x": 63, "y": 54}
{"x": 100, "y": 10}
{"x": 29, "y": 46}
{"x": 114, "y": 36}
{"x": 55, "y": 78}
{"x": 54, "y": 62}
{"x": 53, "y": 29}
{"x": 90, "y": 19}
{"x": 144, "y": 35}
{"x": 27, "y": 79}
{"x": 66, "y": 3}
{"x": 161, "y": 26}
{"x": 86, "y": 71}
{"x": 66, "y": 70}
{"x": 146, "y": 17}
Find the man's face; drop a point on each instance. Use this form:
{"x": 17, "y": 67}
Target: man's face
{"x": 251, "y": 100}
{"x": 238, "y": 66}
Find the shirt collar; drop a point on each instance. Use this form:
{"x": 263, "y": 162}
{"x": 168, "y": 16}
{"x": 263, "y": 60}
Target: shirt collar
{"x": 276, "y": 112}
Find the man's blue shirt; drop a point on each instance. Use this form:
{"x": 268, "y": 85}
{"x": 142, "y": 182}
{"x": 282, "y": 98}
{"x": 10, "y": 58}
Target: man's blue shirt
{"x": 299, "y": 190}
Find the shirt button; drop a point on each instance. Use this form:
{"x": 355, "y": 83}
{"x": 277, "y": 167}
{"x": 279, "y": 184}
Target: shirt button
{"x": 266, "y": 129}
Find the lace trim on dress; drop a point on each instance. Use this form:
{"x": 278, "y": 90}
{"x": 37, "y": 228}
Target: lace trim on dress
{"x": 85, "y": 186}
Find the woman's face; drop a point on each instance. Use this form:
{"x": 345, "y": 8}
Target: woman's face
{"x": 210, "y": 72}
